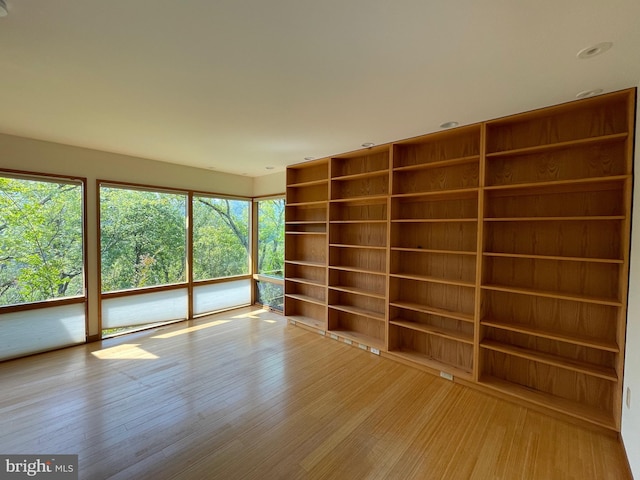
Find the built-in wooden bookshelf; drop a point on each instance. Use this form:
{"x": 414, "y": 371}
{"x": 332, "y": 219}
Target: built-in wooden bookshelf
{"x": 497, "y": 252}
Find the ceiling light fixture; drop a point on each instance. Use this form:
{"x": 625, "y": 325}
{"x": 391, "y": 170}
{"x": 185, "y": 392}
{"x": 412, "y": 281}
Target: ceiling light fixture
{"x": 589, "y": 93}
{"x": 3, "y": 9}
{"x": 368, "y": 144}
{"x": 449, "y": 124}
{"x": 309, "y": 158}
{"x": 594, "y": 50}
{"x": 269, "y": 167}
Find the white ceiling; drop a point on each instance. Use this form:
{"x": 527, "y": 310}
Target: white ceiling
{"x": 239, "y": 85}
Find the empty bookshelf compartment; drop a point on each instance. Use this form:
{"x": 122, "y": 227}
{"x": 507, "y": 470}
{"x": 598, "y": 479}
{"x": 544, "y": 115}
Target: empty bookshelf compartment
{"x": 310, "y": 314}
{"x": 594, "y": 160}
{"x": 361, "y": 163}
{"x": 355, "y": 282}
{"x": 440, "y": 266}
{"x": 308, "y": 172}
{"x": 458, "y": 144}
{"x": 306, "y": 248}
{"x": 596, "y": 200}
{"x": 365, "y": 305}
{"x": 600, "y": 116}
{"x": 448, "y": 236}
{"x": 431, "y": 350}
{"x": 572, "y": 392}
{"x": 459, "y": 330}
{"x": 365, "y": 235}
{"x": 579, "y": 323}
{"x": 595, "y": 239}
{"x": 358, "y": 259}
{"x": 370, "y": 186}
{"x": 432, "y": 207}
{"x": 456, "y": 177}
{"x": 307, "y": 194}
{"x": 306, "y": 213}
{"x": 359, "y": 210}
{"x": 305, "y": 291}
{"x": 590, "y": 281}
{"x": 451, "y": 301}
{"x": 315, "y": 275}
{"x": 357, "y": 327}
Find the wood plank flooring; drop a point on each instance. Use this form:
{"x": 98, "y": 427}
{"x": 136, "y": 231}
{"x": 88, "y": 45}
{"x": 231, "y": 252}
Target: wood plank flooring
{"x": 243, "y": 395}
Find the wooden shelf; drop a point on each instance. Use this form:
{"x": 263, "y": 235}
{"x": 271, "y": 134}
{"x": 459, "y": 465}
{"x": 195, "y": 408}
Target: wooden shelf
{"x": 305, "y": 298}
{"x": 561, "y": 337}
{"x": 359, "y": 198}
{"x": 553, "y": 360}
{"x": 359, "y": 311}
{"x": 555, "y": 219}
{"x": 618, "y": 137}
{"x": 357, "y": 270}
{"x": 356, "y": 176}
{"x": 417, "y": 307}
{"x": 426, "y": 278}
{"x": 552, "y": 294}
{"x": 428, "y": 329}
{"x": 310, "y": 183}
{"x": 357, "y": 221}
{"x": 429, "y": 250}
{"x": 554, "y": 257}
{"x": 306, "y": 281}
{"x": 359, "y": 247}
{"x": 307, "y": 204}
{"x": 308, "y": 321}
{"x": 438, "y": 164}
{"x": 439, "y": 193}
{"x": 360, "y": 338}
{"x": 305, "y": 222}
{"x": 434, "y": 220}
{"x": 531, "y": 186}
{"x": 551, "y": 402}
{"x": 358, "y": 291}
{"x": 431, "y": 362}
{"x": 306, "y": 263}
{"x": 288, "y": 232}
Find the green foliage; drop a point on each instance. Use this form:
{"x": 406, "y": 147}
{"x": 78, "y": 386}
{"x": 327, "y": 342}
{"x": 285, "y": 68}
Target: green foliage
{"x": 220, "y": 238}
{"x": 271, "y": 237}
{"x": 142, "y": 238}
{"x": 41, "y": 255}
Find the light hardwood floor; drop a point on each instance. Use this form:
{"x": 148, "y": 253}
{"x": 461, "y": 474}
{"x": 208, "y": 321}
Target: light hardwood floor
{"x": 243, "y": 395}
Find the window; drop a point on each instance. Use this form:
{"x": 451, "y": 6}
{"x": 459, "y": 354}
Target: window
{"x": 221, "y": 245}
{"x": 143, "y": 238}
{"x": 270, "y": 253}
{"x": 41, "y": 240}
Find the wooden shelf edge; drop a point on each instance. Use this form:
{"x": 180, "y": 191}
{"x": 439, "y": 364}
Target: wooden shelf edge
{"x": 429, "y": 330}
{"x": 585, "y": 342}
{"x": 363, "y": 312}
{"x": 438, "y": 163}
{"x": 604, "y": 373}
{"x": 305, "y": 233}
{"x": 417, "y": 307}
{"x": 550, "y": 294}
{"x": 309, "y": 183}
{"x": 347, "y": 222}
{"x": 433, "y": 220}
{"x": 308, "y": 321}
{"x": 553, "y": 257}
{"x": 433, "y": 363}
{"x": 308, "y": 204}
{"x": 360, "y": 338}
{"x": 550, "y": 402}
{"x": 356, "y": 270}
{"x": 559, "y": 145}
{"x": 355, "y": 176}
{"x": 305, "y": 298}
{"x": 358, "y": 291}
{"x": 425, "y": 278}
{"x": 431, "y": 250}
{"x": 452, "y": 192}
{"x": 555, "y": 219}
{"x": 362, "y": 198}
{"x": 306, "y": 263}
{"x": 359, "y": 247}
{"x": 305, "y": 281}
{"x": 557, "y": 183}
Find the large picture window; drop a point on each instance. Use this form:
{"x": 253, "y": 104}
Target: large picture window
{"x": 41, "y": 240}
{"x": 221, "y": 245}
{"x": 143, "y": 238}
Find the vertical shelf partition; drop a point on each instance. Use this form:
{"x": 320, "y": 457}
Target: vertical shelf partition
{"x": 496, "y": 252}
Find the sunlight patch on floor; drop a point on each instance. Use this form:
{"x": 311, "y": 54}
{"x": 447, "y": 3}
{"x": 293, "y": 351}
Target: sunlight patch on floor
{"x": 182, "y": 331}
{"x": 126, "y": 351}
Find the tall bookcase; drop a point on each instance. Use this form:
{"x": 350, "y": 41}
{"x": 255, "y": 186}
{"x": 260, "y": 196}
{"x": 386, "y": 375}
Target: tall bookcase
{"x": 497, "y": 253}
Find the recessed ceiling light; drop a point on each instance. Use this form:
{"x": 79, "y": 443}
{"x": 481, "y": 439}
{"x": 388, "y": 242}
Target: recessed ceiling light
{"x": 309, "y": 158}
{"x": 3, "y": 9}
{"x": 368, "y": 144}
{"x": 269, "y": 167}
{"x": 589, "y": 93}
{"x": 449, "y": 124}
{"x": 594, "y": 50}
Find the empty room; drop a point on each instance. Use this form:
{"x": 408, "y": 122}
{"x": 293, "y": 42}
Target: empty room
{"x": 323, "y": 240}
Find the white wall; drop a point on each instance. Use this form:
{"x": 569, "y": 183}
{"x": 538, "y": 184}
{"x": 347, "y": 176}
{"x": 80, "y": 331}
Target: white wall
{"x": 631, "y": 416}
{"x": 24, "y": 154}
{"x": 270, "y": 184}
